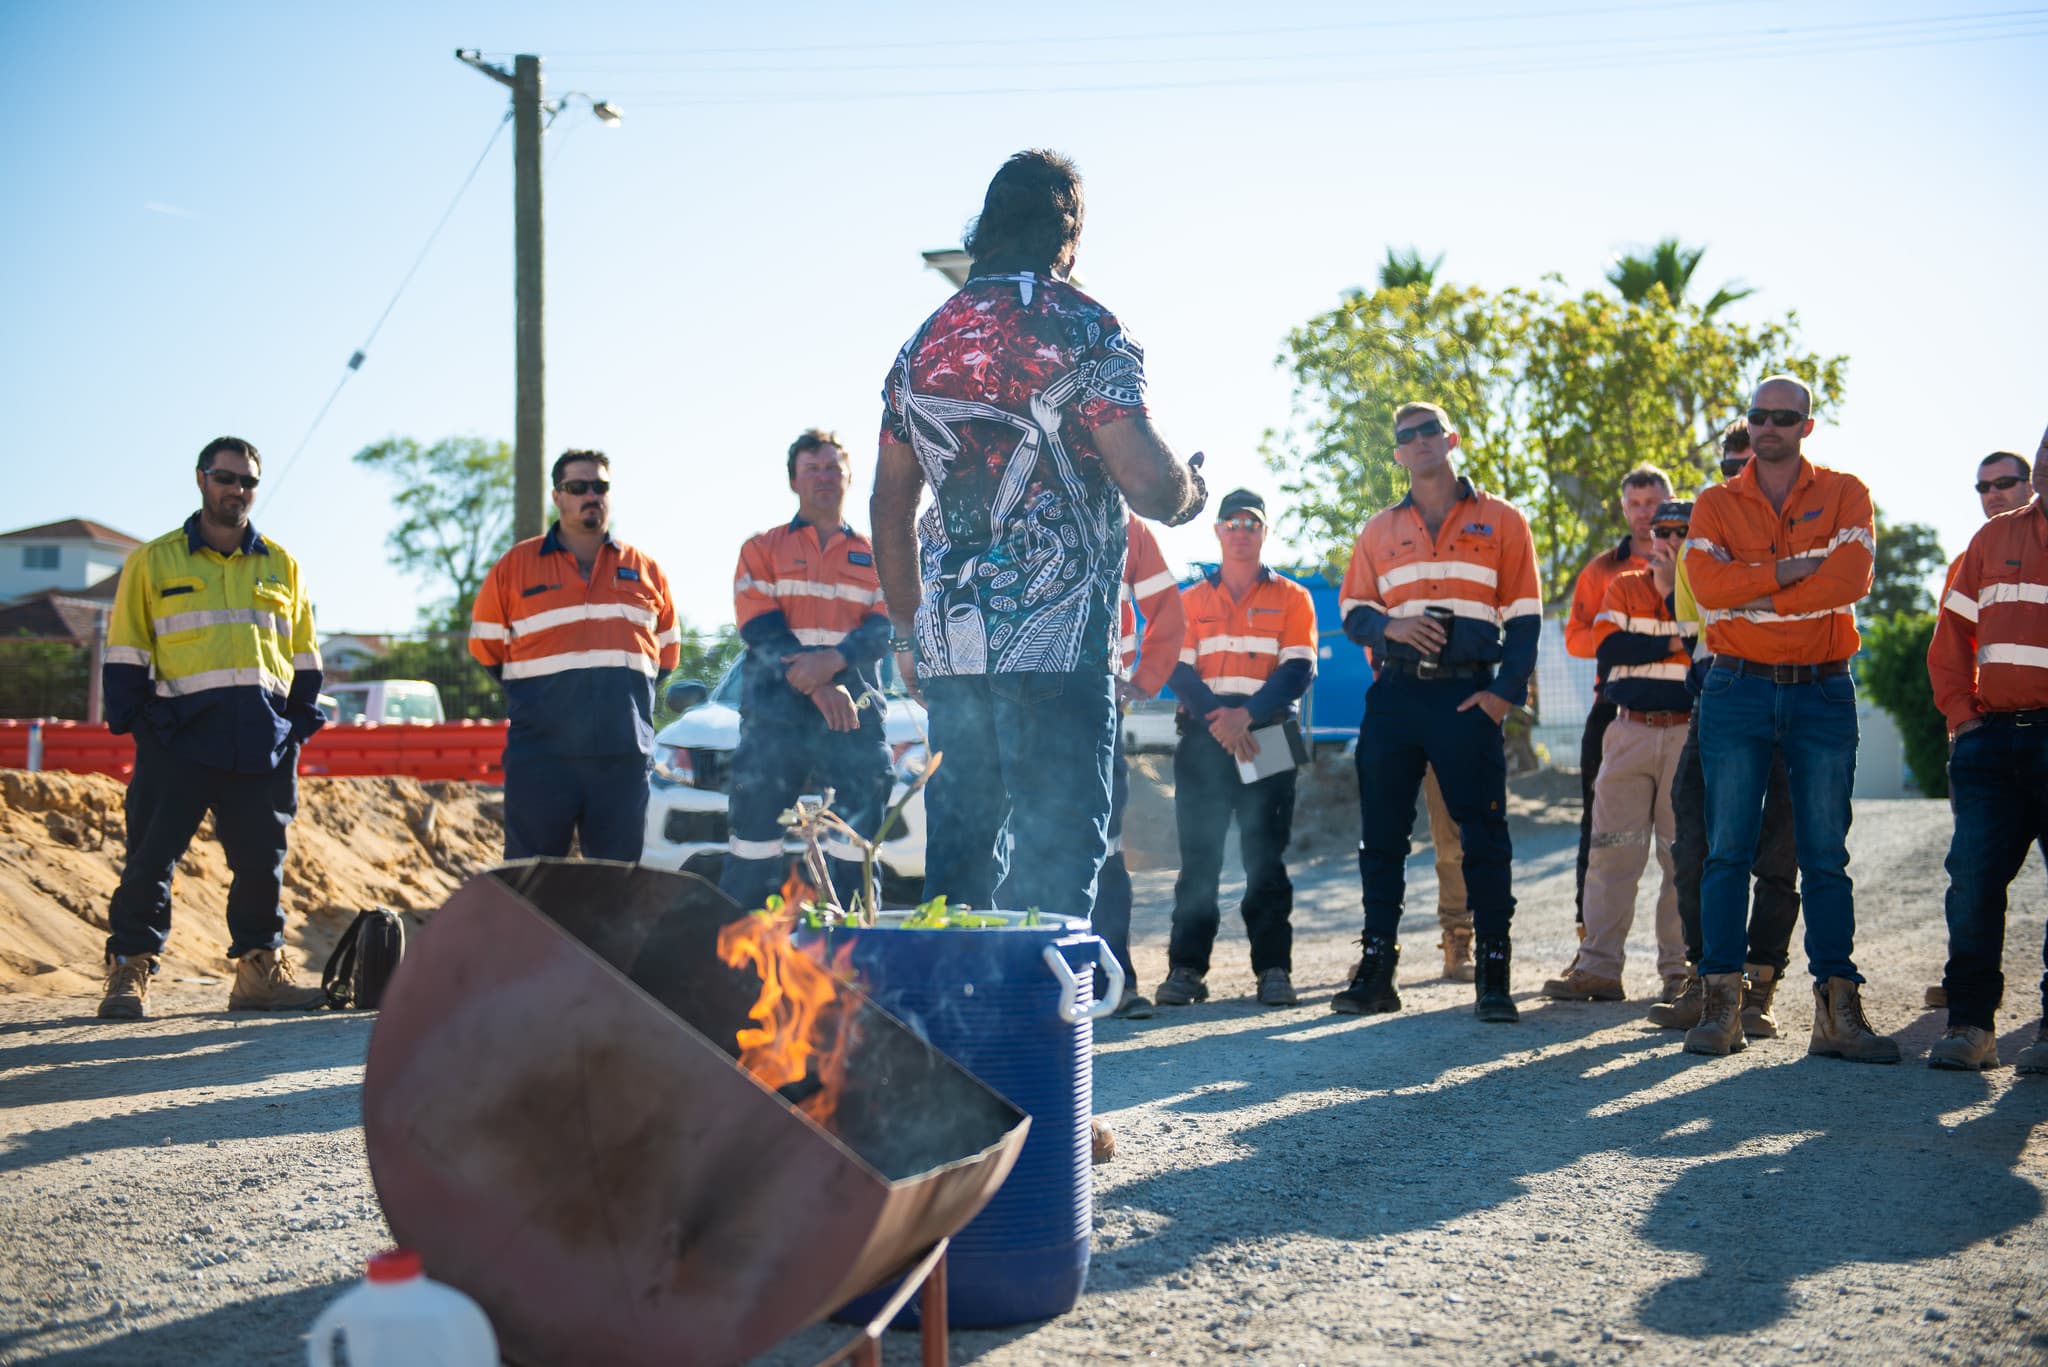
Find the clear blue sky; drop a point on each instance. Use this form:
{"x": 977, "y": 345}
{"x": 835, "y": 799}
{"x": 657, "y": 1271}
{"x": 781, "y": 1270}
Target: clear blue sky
{"x": 211, "y": 205}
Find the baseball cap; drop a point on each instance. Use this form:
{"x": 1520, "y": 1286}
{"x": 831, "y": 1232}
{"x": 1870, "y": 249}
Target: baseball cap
{"x": 1673, "y": 510}
{"x": 1241, "y": 501}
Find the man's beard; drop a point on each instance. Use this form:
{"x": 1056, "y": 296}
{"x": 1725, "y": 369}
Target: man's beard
{"x": 220, "y": 514}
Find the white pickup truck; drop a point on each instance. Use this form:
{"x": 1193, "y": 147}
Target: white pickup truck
{"x": 382, "y": 700}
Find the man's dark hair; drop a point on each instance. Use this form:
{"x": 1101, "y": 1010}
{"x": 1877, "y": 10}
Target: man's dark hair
{"x": 2026, "y": 470}
{"x": 1735, "y": 438}
{"x": 233, "y": 446}
{"x": 812, "y": 439}
{"x": 1031, "y": 217}
{"x": 568, "y": 458}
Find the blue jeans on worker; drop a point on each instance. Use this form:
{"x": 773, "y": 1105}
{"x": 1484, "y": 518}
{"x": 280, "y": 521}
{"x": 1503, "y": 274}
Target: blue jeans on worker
{"x": 782, "y": 755}
{"x": 1023, "y": 788}
{"x": 167, "y": 798}
{"x": 1112, "y": 918}
{"x": 1411, "y": 723}
{"x": 601, "y": 801}
{"x": 1745, "y": 721}
{"x": 1998, "y": 790}
{"x": 1207, "y": 794}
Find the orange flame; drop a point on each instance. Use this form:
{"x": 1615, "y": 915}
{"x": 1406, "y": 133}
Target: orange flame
{"x": 800, "y": 1016}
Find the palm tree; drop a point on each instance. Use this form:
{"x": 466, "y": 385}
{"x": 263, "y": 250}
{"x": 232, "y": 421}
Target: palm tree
{"x": 1670, "y": 264}
{"x": 1408, "y": 268}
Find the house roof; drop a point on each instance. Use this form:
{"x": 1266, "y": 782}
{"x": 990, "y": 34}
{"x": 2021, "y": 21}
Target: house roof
{"x": 74, "y": 529}
{"x": 53, "y": 614}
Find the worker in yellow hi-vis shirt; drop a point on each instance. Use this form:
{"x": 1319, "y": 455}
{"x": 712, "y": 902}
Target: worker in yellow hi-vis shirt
{"x": 211, "y": 665}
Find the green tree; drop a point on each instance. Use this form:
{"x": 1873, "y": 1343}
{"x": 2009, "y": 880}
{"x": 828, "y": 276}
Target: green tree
{"x": 1556, "y": 397}
{"x": 1669, "y": 263}
{"x": 1893, "y": 667}
{"x": 454, "y": 501}
{"x": 1407, "y": 267}
{"x": 1908, "y": 554}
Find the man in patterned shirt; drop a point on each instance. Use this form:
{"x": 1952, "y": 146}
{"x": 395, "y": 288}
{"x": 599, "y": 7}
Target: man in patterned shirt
{"x": 1021, "y": 403}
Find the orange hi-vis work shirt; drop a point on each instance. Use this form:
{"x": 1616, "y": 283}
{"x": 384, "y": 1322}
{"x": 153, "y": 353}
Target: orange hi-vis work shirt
{"x": 1644, "y": 650}
{"x": 1589, "y": 597}
{"x": 1481, "y": 565}
{"x": 579, "y": 657}
{"x": 1731, "y": 558}
{"x": 1235, "y": 646}
{"x": 1990, "y": 647}
{"x": 795, "y": 590}
{"x": 1151, "y": 587}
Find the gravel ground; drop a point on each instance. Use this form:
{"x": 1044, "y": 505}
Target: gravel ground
{"x": 1290, "y": 1186}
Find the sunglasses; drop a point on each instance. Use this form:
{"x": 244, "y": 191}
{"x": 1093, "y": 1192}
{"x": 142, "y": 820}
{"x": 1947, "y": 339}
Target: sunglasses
{"x": 228, "y": 479}
{"x": 1668, "y": 533}
{"x": 1404, "y": 435}
{"x": 1776, "y": 417}
{"x": 1985, "y": 486}
{"x": 1240, "y": 524}
{"x": 580, "y": 487}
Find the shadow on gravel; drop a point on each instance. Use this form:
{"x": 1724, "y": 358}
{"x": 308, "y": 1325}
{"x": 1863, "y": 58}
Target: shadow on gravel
{"x": 306, "y": 1110}
{"x": 265, "y": 1332}
{"x": 123, "y": 1061}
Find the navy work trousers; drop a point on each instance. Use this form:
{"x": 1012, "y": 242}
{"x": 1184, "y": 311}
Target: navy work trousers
{"x": 781, "y": 756}
{"x": 1023, "y": 788}
{"x": 1112, "y": 919}
{"x": 1207, "y": 794}
{"x": 1998, "y": 789}
{"x": 601, "y": 801}
{"x": 1410, "y": 723}
{"x": 167, "y": 799}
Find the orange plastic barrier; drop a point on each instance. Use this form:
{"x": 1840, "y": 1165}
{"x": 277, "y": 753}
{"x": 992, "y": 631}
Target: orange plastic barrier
{"x": 471, "y": 750}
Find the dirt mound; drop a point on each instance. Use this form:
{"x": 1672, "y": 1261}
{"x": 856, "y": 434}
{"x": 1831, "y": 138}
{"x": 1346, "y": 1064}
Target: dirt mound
{"x": 357, "y": 842}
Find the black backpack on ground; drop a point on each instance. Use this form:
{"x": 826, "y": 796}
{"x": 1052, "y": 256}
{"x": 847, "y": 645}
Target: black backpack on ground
{"x": 364, "y": 960}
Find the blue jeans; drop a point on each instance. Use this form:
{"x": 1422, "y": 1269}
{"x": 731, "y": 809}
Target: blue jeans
{"x": 1998, "y": 789}
{"x": 1023, "y": 788}
{"x": 1112, "y": 918}
{"x": 1743, "y": 720}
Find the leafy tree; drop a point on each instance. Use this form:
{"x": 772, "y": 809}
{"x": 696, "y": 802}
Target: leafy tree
{"x": 1908, "y": 554}
{"x": 1670, "y": 264}
{"x": 1893, "y": 667}
{"x": 455, "y": 515}
{"x": 43, "y": 678}
{"x": 1408, "y": 268}
{"x": 1556, "y": 397}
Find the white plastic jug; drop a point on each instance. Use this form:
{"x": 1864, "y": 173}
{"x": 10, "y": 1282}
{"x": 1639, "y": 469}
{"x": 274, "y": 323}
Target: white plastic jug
{"x": 398, "y": 1318}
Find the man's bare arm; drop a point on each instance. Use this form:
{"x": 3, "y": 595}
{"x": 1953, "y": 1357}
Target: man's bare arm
{"x": 1156, "y": 483}
{"x": 892, "y": 514}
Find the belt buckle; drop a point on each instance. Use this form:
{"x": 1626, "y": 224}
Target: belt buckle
{"x": 1785, "y": 674}
{"x": 1428, "y": 669}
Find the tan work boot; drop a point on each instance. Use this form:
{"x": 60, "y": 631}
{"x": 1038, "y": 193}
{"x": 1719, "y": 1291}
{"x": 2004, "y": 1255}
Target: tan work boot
{"x": 1840, "y": 1030}
{"x": 1682, "y": 1012}
{"x": 1720, "y": 1029}
{"x": 1935, "y": 998}
{"x": 264, "y": 982}
{"x": 127, "y": 997}
{"x": 1673, "y": 987}
{"x": 2034, "y": 1058}
{"x": 1964, "y": 1048}
{"x": 1757, "y": 1020}
{"x": 1578, "y": 985}
{"x": 1457, "y": 947}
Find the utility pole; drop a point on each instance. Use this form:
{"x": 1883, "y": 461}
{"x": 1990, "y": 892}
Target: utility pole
{"x": 529, "y": 463}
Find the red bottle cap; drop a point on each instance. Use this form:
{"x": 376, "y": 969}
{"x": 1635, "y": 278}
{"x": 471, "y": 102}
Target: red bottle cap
{"x": 395, "y": 1265}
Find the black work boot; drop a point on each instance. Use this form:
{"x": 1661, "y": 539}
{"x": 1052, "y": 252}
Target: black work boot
{"x": 1490, "y": 982}
{"x": 1372, "y": 984}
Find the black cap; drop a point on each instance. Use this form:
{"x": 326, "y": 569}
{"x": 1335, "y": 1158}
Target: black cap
{"x": 1673, "y": 510}
{"x": 1241, "y": 501}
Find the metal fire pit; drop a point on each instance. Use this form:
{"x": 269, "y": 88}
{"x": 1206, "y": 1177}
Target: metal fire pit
{"x": 556, "y": 1121}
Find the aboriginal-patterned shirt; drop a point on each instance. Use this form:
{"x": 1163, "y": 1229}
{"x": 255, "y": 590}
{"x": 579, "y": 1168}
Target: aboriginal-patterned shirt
{"x": 1021, "y": 550}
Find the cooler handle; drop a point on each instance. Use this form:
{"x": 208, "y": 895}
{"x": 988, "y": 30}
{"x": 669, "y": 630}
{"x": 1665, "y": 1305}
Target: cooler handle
{"x": 1071, "y": 1010}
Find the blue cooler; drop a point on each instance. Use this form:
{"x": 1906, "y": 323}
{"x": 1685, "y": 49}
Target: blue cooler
{"x": 1014, "y": 1006}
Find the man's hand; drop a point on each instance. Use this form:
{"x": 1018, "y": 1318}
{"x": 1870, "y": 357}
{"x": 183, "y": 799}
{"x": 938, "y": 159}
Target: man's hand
{"x": 1424, "y": 635}
{"x": 1232, "y": 729}
{"x": 810, "y": 670}
{"x": 836, "y": 704}
{"x": 1126, "y": 692}
{"x": 906, "y": 666}
{"x": 1492, "y": 704}
{"x": 1664, "y": 565}
{"x": 1792, "y": 571}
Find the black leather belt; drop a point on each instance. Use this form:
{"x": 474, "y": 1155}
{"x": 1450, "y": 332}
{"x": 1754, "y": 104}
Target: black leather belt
{"x": 1784, "y": 674}
{"x": 2032, "y": 716}
{"x": 1429, "y": 669}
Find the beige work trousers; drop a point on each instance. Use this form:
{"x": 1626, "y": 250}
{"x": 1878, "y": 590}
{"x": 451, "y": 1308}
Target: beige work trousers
{"x": 1632, "y": 813}
{"x": 1451, "y": 911}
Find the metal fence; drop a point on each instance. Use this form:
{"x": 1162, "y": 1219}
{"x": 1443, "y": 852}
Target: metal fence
{"x": 1562, "y": 696}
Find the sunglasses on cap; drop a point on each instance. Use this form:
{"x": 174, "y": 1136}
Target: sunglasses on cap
{"x": 1776, "y": 417}
{"x": 228, "y": 479}
{"x": 1404, "y": 435}
{"x": 580, "y": 487}
{"x": 1985, "y": 486}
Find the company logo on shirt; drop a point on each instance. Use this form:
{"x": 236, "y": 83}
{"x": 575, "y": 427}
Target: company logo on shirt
{"x": 1480, "y": 528}
{"x": 859, "y": 558}
{"x": 628, "y": 572}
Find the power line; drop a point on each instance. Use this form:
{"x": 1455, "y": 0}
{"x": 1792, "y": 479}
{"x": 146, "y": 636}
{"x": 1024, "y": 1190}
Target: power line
{"x": 355, "y": 361}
